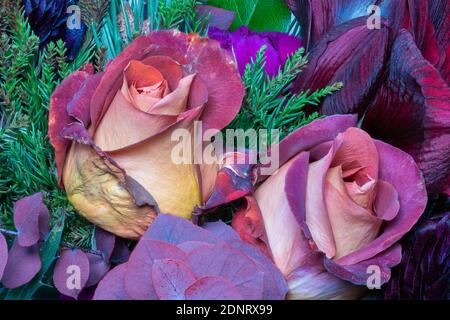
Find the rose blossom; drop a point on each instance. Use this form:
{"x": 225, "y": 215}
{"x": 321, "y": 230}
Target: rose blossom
{"x": 338, "y": 204}
{"x": 112, "y": 130}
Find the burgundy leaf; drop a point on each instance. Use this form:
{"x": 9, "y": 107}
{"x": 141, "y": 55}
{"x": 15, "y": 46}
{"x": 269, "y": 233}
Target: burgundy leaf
{"x": 71, "y": 272}
{"x": 22, "y": 265}
{"x": 414, "y": 106}
{"x": 171, "y": 278}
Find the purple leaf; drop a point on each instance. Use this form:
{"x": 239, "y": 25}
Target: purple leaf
{"x": 71, "y": 272}
{"x": 212, "y": 288}
{"x": 121, "y": 252}
{"x": 98, "y": 267}
{"x": 138, "y": 279}
{"x": 104, "y": 242}
{"x": 22, "y": 265}
{"x": 112, "y": 286}
{"x": 230, "y": 263}
{"x": 171, "y": 229}
{"x": 30, "y": 218}
{"x": 171, "y": 278}
{"x": 218, "y": 17}
{"x": 3, "y": 254}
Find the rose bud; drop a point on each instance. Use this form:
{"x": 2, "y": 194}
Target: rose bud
{"x": 332, "y": 214}
{"x": 112, "y": 131}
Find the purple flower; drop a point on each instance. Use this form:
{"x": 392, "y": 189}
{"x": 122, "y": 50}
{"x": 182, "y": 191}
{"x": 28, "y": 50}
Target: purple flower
{"x": 177, "y": 260}
{"x": 244, "y": 44}
{"x": 424, "y": 272}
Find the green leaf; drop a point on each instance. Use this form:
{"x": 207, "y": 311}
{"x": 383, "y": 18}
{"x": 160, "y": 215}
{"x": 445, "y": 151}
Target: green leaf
{"x": 258, "y": 15}
{"x": 48, "y": 255}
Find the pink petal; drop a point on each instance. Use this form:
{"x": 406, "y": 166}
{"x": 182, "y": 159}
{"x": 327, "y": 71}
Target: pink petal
{"x": 386, "y": 205}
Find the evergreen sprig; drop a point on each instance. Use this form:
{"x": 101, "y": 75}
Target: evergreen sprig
{"x": 270, "y": 102}
{"x": 28, "y": 77}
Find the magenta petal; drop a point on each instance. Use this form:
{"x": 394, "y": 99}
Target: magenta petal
{"x": 80, "y": 105}
{"x": 138, "y": 279}
{"x": 3, "y": 254}
{"x": 59, "y": 118}
{"x": 212, "y": 288}
{"x": 171, "y": 278}
{"x": 412, "y": 196}
{"x": 30, "y": 217}
{"x": 295, "y": 190}
{"x": 231, "y": 264}
{"x": 112, "y": 286}
{"x": 71, "y": 272}
{"x": 414, "y": 106}
{"x": 359, "y": 273}
{"x": 218, "y": 17}
{"x": 22, "y": 265}
{"x": 308, "y": 136}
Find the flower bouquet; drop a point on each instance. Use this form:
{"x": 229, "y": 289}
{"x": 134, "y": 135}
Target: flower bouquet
{"x": 224, "y": 150}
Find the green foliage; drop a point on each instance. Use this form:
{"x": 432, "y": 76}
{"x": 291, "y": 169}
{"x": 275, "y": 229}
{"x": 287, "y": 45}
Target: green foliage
{"x": 128, "y": 19}
{"x": 258, "y": 15}
{"x": 270, "y": 103}
{"x": 27, "y": 80}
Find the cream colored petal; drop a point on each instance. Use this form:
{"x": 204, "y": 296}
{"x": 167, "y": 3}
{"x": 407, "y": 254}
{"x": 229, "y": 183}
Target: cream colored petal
{"x": 98, "y": 195}
{"x": 353, "y": 226}
{"x": 174, "y": 186}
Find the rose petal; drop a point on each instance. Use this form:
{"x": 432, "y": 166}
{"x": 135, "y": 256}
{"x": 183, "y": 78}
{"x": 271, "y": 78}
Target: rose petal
{"x": 174, "y": 186}
{"x": 317, "y": 218}
{"x": 112, "y": 286}
{"x": 22, "y": 265}
{"x": 79, "y": 106}
{"x": 313, "y": 282}
{"x": 352, "y": 225}
{"x": 386, "y": 205}
{"x": 171, "y": 278}
{"x": 412, "y": 197}
{"x": 71, "y": 272}
{"x": 308, "y": 136}
{"x": 288, "y": 245}
{"x": 169, "y": 68}
{"x": 142, "y": 75}
{"x": 59, "y": 117}
{"x": 248, "y": 223}
{"x": 359, "y": 273}
{"x": 213, "y": 288}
